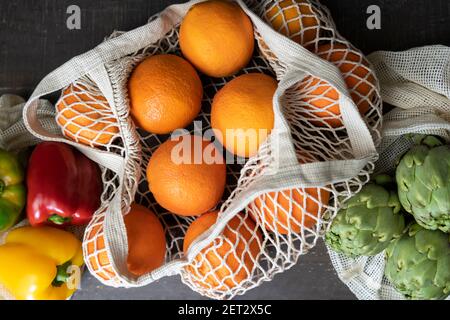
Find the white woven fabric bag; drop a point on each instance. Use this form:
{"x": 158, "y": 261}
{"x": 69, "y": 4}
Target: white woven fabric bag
{"x": 417, "y": 82}
{"x": 297, "y": 155}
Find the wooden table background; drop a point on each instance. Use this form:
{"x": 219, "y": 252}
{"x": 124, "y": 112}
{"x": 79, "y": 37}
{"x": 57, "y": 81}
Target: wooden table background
{"x": 34, "y": 40}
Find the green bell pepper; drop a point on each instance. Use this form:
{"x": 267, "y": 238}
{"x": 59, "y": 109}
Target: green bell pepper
{"x": 12, "y": 190}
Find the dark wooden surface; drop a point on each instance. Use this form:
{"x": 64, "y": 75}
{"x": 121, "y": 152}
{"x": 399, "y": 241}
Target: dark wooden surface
{"x": 34, "y": 40}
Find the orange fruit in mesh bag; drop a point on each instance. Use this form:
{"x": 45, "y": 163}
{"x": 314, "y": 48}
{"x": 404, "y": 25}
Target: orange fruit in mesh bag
{"x": 230, "y": 259}
{"x": 85, "y": 116}
{"x": 320, "y": 102}
{"x": 146, "y": 244}
{"x": 356, "y": 71}
{"x": 288, "y": 211}
{"x": 187, "y": 177}
{"x": 95, "y": 253}
{"x": 165, "y": 93}
{"x": 295, "y": 19}
{"x": 217, "y": 37}
{"x": 146, "y": 240}
{"x": 242, "y": 113}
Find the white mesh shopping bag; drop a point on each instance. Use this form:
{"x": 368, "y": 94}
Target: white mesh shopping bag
{"x": 278, "y": 203}
{"x": 417, "y": 83}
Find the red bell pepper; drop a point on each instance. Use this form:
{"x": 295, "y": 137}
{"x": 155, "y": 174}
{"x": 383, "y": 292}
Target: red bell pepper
{"x": 64, "y": 186}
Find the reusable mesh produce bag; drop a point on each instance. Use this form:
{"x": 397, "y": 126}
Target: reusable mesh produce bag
{"x": 417, "y": 83}
{"x": 314, "y": 153}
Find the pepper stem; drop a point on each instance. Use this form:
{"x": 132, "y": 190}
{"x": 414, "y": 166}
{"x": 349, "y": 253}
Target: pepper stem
{"x": 57, "y": 219}
{"x": 61, "y": 274}
{"x": 2, "y": 186}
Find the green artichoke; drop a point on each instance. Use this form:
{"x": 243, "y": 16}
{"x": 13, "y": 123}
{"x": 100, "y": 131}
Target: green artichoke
{"x": 368, "y": 222}
{"x": 423, "y": 179}
{"x": 418, "y": 264}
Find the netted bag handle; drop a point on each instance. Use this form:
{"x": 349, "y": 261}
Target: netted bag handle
{"x": 14, "y": 135}
{"x": 300, "y": 62}
{"x": 416, "y": 82}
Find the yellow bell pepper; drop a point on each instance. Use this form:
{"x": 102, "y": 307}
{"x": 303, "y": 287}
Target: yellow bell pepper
{"x": 34, "y": 263}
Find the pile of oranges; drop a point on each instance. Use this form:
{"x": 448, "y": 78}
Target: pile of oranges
{"x": 216, "y": 39}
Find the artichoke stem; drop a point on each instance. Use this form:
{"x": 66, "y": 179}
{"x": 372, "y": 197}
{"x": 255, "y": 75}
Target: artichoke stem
{"x": 383, "y": 180}
{"x": 432, "y": 141}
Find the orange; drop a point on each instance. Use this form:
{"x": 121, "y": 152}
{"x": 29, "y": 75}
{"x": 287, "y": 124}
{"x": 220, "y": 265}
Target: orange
{"x": 146, "y": 240}
{"x": 85, "y": 116}
{"x": 96, "y": 256}
{"x": 320, "y": 101}
{"x": 187, "y": 182}
{"x": 295, "y": 19}
{"x": 146, "y": 244}
{"x": 355, "y": 69}
{"x": 230, "y": 259}
{"x": 165, "y": 93}
{"x": 287, "y": 211}
{"x": 217, "y": 38}
{"x": 242, "y": 113}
